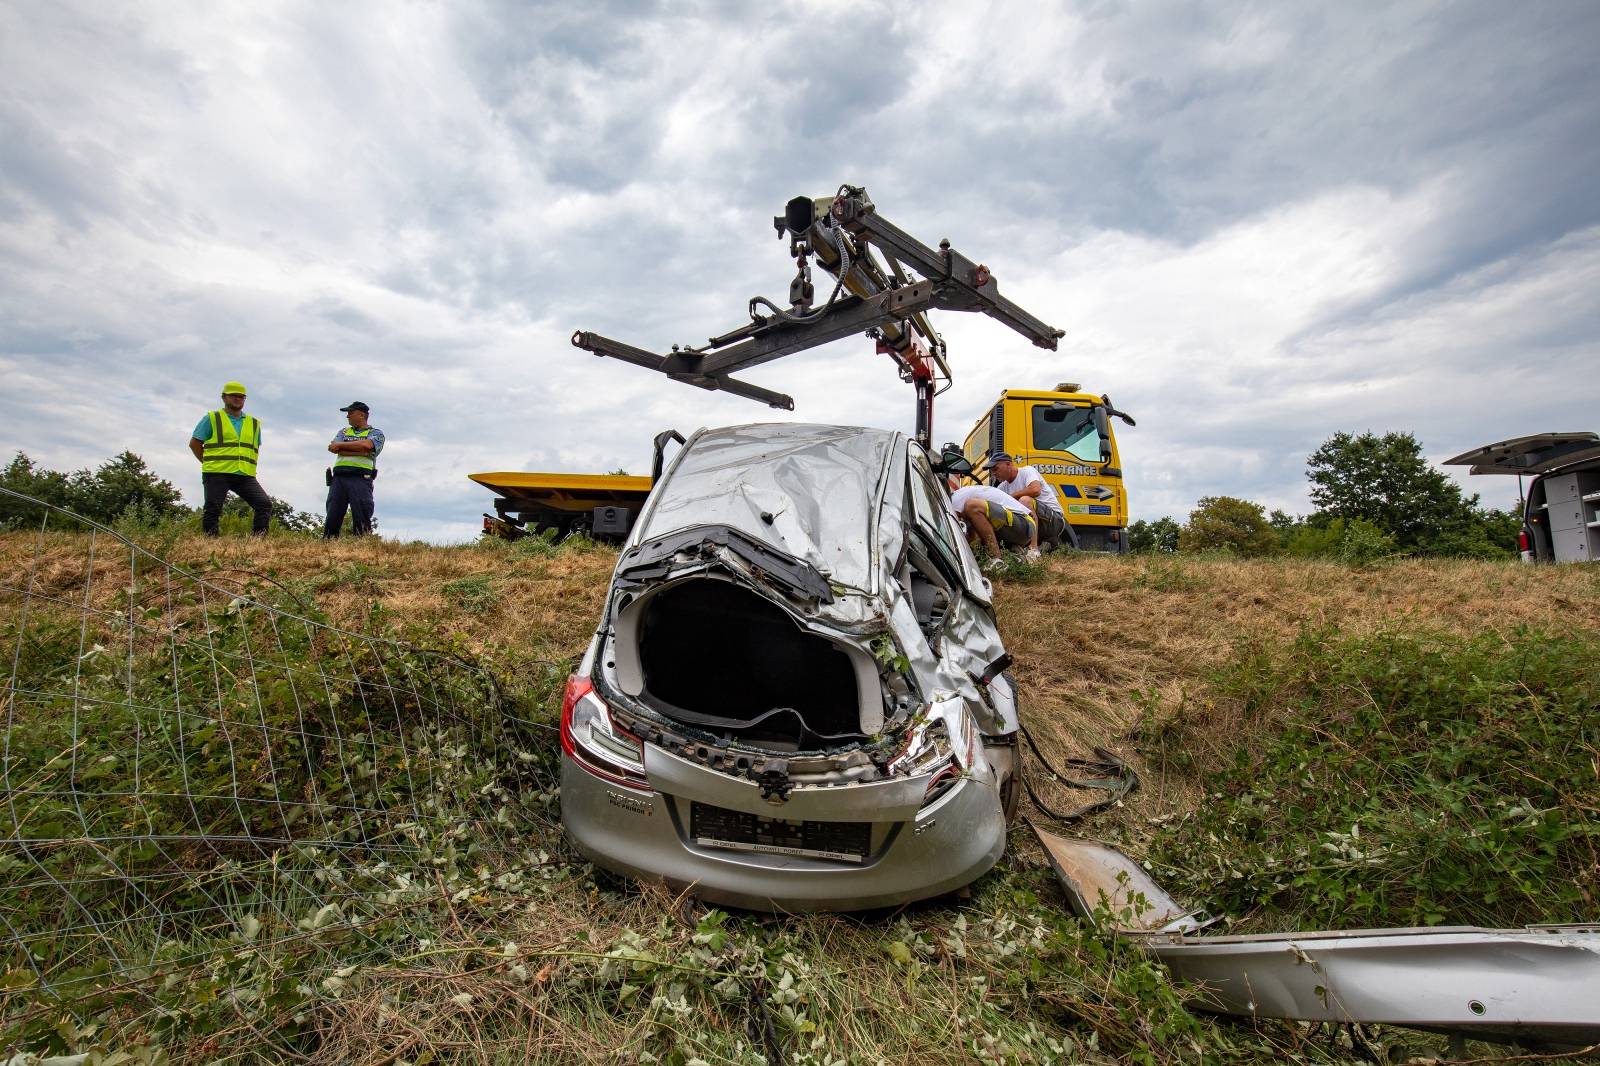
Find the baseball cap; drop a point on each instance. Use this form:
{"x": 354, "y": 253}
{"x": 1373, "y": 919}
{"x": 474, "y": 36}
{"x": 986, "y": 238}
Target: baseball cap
{"x": 357, "y": 406}
{"x": 1000, "y": 457}
{"x": 233, "y": 387}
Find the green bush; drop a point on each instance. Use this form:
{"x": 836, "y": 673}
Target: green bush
{"x": 1364, "y": 543}
{"x": 202, "y": 773}
{"x": 1315, "y": 541}
{"x": 1402, "y": 779}
{"x": 1160, "y": 535}
{"x": 1223, "y": 522}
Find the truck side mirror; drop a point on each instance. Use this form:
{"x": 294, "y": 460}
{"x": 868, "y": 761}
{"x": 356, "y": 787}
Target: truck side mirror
{"x": 952, "y": 460}
{"x": 1111, "y": 407}
{"x": 1102, "y": 426}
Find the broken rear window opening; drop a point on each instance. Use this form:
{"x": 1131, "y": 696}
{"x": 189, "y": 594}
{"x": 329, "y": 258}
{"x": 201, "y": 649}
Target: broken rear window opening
{"x": 717, "y": 656}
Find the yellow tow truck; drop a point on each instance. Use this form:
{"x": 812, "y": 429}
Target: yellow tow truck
{"x": 885, "y": 283}
{"x": 1064, "y": 432}
{"x": 1066, "y": 435}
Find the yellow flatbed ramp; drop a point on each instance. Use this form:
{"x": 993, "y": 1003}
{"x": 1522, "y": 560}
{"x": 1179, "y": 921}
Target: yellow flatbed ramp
{"x": 531, "y": 501}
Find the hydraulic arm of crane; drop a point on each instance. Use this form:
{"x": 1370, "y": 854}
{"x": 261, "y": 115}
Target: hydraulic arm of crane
{"x": 887, "y": 299}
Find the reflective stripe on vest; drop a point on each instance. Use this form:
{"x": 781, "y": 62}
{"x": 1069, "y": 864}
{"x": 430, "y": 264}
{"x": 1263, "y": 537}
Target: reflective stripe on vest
{"x": 231, "y": 451}
{"x": 364, "y": 461}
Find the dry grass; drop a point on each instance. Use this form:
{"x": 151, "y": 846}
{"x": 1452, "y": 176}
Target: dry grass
{"x": 543, "y": 606}
{"x": 1098, "y": 642}
{"x": 1098, "y": 632}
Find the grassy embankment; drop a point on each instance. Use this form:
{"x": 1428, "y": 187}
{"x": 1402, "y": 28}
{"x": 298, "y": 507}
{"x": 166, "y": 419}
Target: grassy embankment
{"x": 1413, "y": 742}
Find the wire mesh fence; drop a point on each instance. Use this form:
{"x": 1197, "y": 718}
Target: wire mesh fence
{"x": 214, "y": 798}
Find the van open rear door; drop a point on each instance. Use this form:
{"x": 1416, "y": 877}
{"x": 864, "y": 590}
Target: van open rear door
{"x": 1536, "y": 454}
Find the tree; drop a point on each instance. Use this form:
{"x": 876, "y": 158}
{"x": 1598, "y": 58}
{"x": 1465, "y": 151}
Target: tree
{"x": 1500, "y": 528}
{"x": 27, "y": 477}
{"x": 1387, "y": 482}
{"x": 120, "y": 486}
{"x": 1158, "y": 536}
{"x": 1223, "y": 522}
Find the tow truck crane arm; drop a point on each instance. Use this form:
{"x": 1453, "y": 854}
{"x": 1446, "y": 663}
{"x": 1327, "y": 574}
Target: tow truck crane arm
{"x": 888, "y": 299}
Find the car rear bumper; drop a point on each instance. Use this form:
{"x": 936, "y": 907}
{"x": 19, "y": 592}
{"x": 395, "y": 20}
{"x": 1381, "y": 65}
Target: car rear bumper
{"x": 646, "y": 835}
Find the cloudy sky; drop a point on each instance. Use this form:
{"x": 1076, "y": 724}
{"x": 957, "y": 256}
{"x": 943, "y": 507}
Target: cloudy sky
{"x": 1258, "y": 224}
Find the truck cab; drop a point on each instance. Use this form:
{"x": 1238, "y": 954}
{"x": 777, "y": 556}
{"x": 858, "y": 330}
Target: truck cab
{"x": 1066, "y": 435}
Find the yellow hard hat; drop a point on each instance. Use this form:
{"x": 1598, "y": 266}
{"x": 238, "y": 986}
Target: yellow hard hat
{"x": 232, "y": 387}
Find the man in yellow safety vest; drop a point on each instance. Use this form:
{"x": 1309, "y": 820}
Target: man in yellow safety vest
{"x": 227, "y": 443}
{"x": 355, "y": 465}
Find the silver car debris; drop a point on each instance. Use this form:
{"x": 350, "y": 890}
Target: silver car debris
{"x": 796, "y": 697}
{"x": 1533, "y": 986}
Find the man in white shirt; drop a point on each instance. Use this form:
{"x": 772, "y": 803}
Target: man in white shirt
{"x": 993, "y": 516}
{"x": 1026, "y": 484}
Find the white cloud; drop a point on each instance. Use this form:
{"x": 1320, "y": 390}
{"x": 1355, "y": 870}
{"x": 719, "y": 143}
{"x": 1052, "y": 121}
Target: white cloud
{"x": 1256, "y": 228}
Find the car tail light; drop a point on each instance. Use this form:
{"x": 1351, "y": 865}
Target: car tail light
{"x": 592, "y": 741}
{"x": 1523, "y": 544}
{"x": 942, "y": 782}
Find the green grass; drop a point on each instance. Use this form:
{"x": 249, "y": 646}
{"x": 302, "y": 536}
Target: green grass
{"x": 474, "y": 594}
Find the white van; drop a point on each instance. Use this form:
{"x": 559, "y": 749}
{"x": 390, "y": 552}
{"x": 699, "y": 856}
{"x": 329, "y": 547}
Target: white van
{"x": 1561, "y": 514}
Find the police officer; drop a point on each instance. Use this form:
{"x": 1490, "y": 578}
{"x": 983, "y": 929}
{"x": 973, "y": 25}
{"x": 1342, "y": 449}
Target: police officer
{"x": 356, "y": 449}
{"x": 227, "y": 442}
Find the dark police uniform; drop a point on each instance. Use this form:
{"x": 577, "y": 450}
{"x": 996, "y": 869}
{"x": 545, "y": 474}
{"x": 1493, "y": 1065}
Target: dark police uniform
{"x": 350, "y": 486}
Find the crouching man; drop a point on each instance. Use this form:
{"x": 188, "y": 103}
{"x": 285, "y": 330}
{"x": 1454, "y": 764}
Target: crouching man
{"x": 993, "y": 517}
{"x": 1027, "y": 485}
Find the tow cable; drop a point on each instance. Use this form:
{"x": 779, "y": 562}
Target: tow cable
{"x": 1112, "y": 775}
{"x": 1115, "y": 777}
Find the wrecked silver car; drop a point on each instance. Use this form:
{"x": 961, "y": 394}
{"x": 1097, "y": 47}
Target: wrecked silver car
{"x": 796, "y": 698}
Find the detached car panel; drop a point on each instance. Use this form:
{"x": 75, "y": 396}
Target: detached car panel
{"x": 795, "y": 699}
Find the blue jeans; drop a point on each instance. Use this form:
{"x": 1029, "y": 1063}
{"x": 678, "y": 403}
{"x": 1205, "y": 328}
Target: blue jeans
{"x": 353, "y": 493}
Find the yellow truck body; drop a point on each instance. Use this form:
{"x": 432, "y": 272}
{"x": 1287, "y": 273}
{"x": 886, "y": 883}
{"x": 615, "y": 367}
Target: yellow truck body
{"x": 1057, "y": 432}
{"x": 602, "y": 505}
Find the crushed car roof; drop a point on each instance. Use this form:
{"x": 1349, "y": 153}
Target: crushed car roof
{"x": 810, "y": 491}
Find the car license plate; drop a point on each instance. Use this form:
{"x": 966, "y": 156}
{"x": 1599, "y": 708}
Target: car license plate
{"x": 717, "y": 827}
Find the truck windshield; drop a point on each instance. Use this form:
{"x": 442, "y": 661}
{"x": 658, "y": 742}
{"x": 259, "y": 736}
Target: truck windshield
{"x": 1066, "y": 429}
